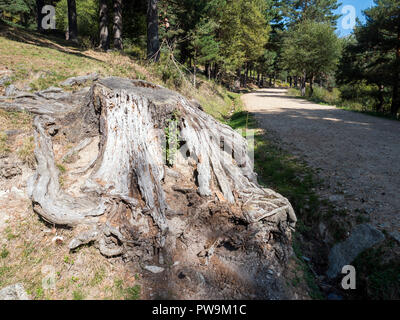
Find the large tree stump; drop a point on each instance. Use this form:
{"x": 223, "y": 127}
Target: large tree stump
{"x": 163, "y": 182}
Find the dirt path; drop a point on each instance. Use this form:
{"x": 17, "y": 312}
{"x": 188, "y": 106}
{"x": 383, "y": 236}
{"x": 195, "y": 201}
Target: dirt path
{"x": 357, "y": 155}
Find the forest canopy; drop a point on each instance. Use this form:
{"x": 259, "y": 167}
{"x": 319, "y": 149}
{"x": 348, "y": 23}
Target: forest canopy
{"x": 237, "y": 42}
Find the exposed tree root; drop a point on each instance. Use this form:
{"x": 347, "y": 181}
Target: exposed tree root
{"x": 132, "y": 203}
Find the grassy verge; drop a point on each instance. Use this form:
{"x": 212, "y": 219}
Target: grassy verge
{"x": 378, "y": 269}
{"x": 290, "y": 177}
{"x": 326, "y": 97}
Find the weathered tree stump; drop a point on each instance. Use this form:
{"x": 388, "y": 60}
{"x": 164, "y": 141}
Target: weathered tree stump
{"x": 166, "y": 182}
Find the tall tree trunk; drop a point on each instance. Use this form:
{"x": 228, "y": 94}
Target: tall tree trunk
{"x": 153, "y": 41}
{"x": 39, "y": 14}
{"x": 303, "y": 85}
{"x": 117, "y": 26}
{"x": 104, "y": 35}
{"x": 194, "y": 69}
{"x": 379, "y": 107}
{"x": 311, "y": 84}
{"x": 72, "y": 21}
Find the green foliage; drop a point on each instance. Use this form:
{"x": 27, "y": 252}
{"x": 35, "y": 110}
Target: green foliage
{"x": 311, "y": 48}
{"x": 4, "y": 252}
{"x": 133, "y": 293}
{"x": 78, "y": 295}
{"x": 378, "y": 275}
{"x": 315, "y": 10}
{"x": 87, "y": 16}
{"x": 17, "y": 6}
{"x": 21, "y": 11}
{"x": 372, "y": 55}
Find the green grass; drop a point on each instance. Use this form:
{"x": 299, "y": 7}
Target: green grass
{"x": 4, "y": 147}
{"x": 287, "y": 175}
{"x": 4, "y": 252}
{"x": 378, "y": 276}
{"x": 325, "y": 97}
{"x": 282, "y": 172}
{"x": 278, "y": 170}
{"x": 26, "y": 152}
{"x": 78, "y": 295}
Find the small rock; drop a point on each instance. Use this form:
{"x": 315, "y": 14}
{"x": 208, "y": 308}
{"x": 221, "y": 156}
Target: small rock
{"x": 154, "y": 269}
{"x": 336, "y": 198}
{"x": 395, "y": 235}
{"x": 14, "y": 292}
{"x": 362, "y": 237}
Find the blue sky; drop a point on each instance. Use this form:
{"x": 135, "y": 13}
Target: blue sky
{"x": 346, "y": 22}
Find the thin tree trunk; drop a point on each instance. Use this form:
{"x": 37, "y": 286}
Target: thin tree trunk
{"x": 104, "y": 35}
{"x": 379, "y": 107}
{"x": 303, "y": 85}
{"x": 194, "y": 69}
{"x": 72, "y": 21}
{"x": 311, "y": 85}
{"x": 39, "y": 15}
{"x": 117, "y": 25}
{"x": 153, "y": 41}
{"x": 246, "y": 75}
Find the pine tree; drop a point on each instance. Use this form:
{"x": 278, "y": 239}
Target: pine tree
{"x": 72, "y": 21}
{"x": 20, "y": 9}
{"x": 315, "y": 10}
{"x": 153, "y": 41}
{"x": 39, "y": 15}
{"x": 374, "y": 56}
{"x": 117, "y": 25}
{"x": 311, "y": 49}
{"x": 103, "y": 25}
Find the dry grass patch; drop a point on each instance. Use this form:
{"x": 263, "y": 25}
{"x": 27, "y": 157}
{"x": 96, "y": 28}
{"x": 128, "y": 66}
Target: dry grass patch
{"x": 28, "y": 255}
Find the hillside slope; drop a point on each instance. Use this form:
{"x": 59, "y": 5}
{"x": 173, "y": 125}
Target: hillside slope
{"x": 31, "y": 249}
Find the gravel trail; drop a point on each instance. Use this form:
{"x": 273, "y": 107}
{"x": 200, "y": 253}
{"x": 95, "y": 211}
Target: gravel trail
{"x": 357, "y": 155}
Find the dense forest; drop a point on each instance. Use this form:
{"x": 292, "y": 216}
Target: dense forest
{"x": 265, "y": 42}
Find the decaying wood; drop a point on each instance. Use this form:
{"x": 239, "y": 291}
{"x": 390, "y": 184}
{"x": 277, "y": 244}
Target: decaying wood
{"x": 132, "y": 203}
